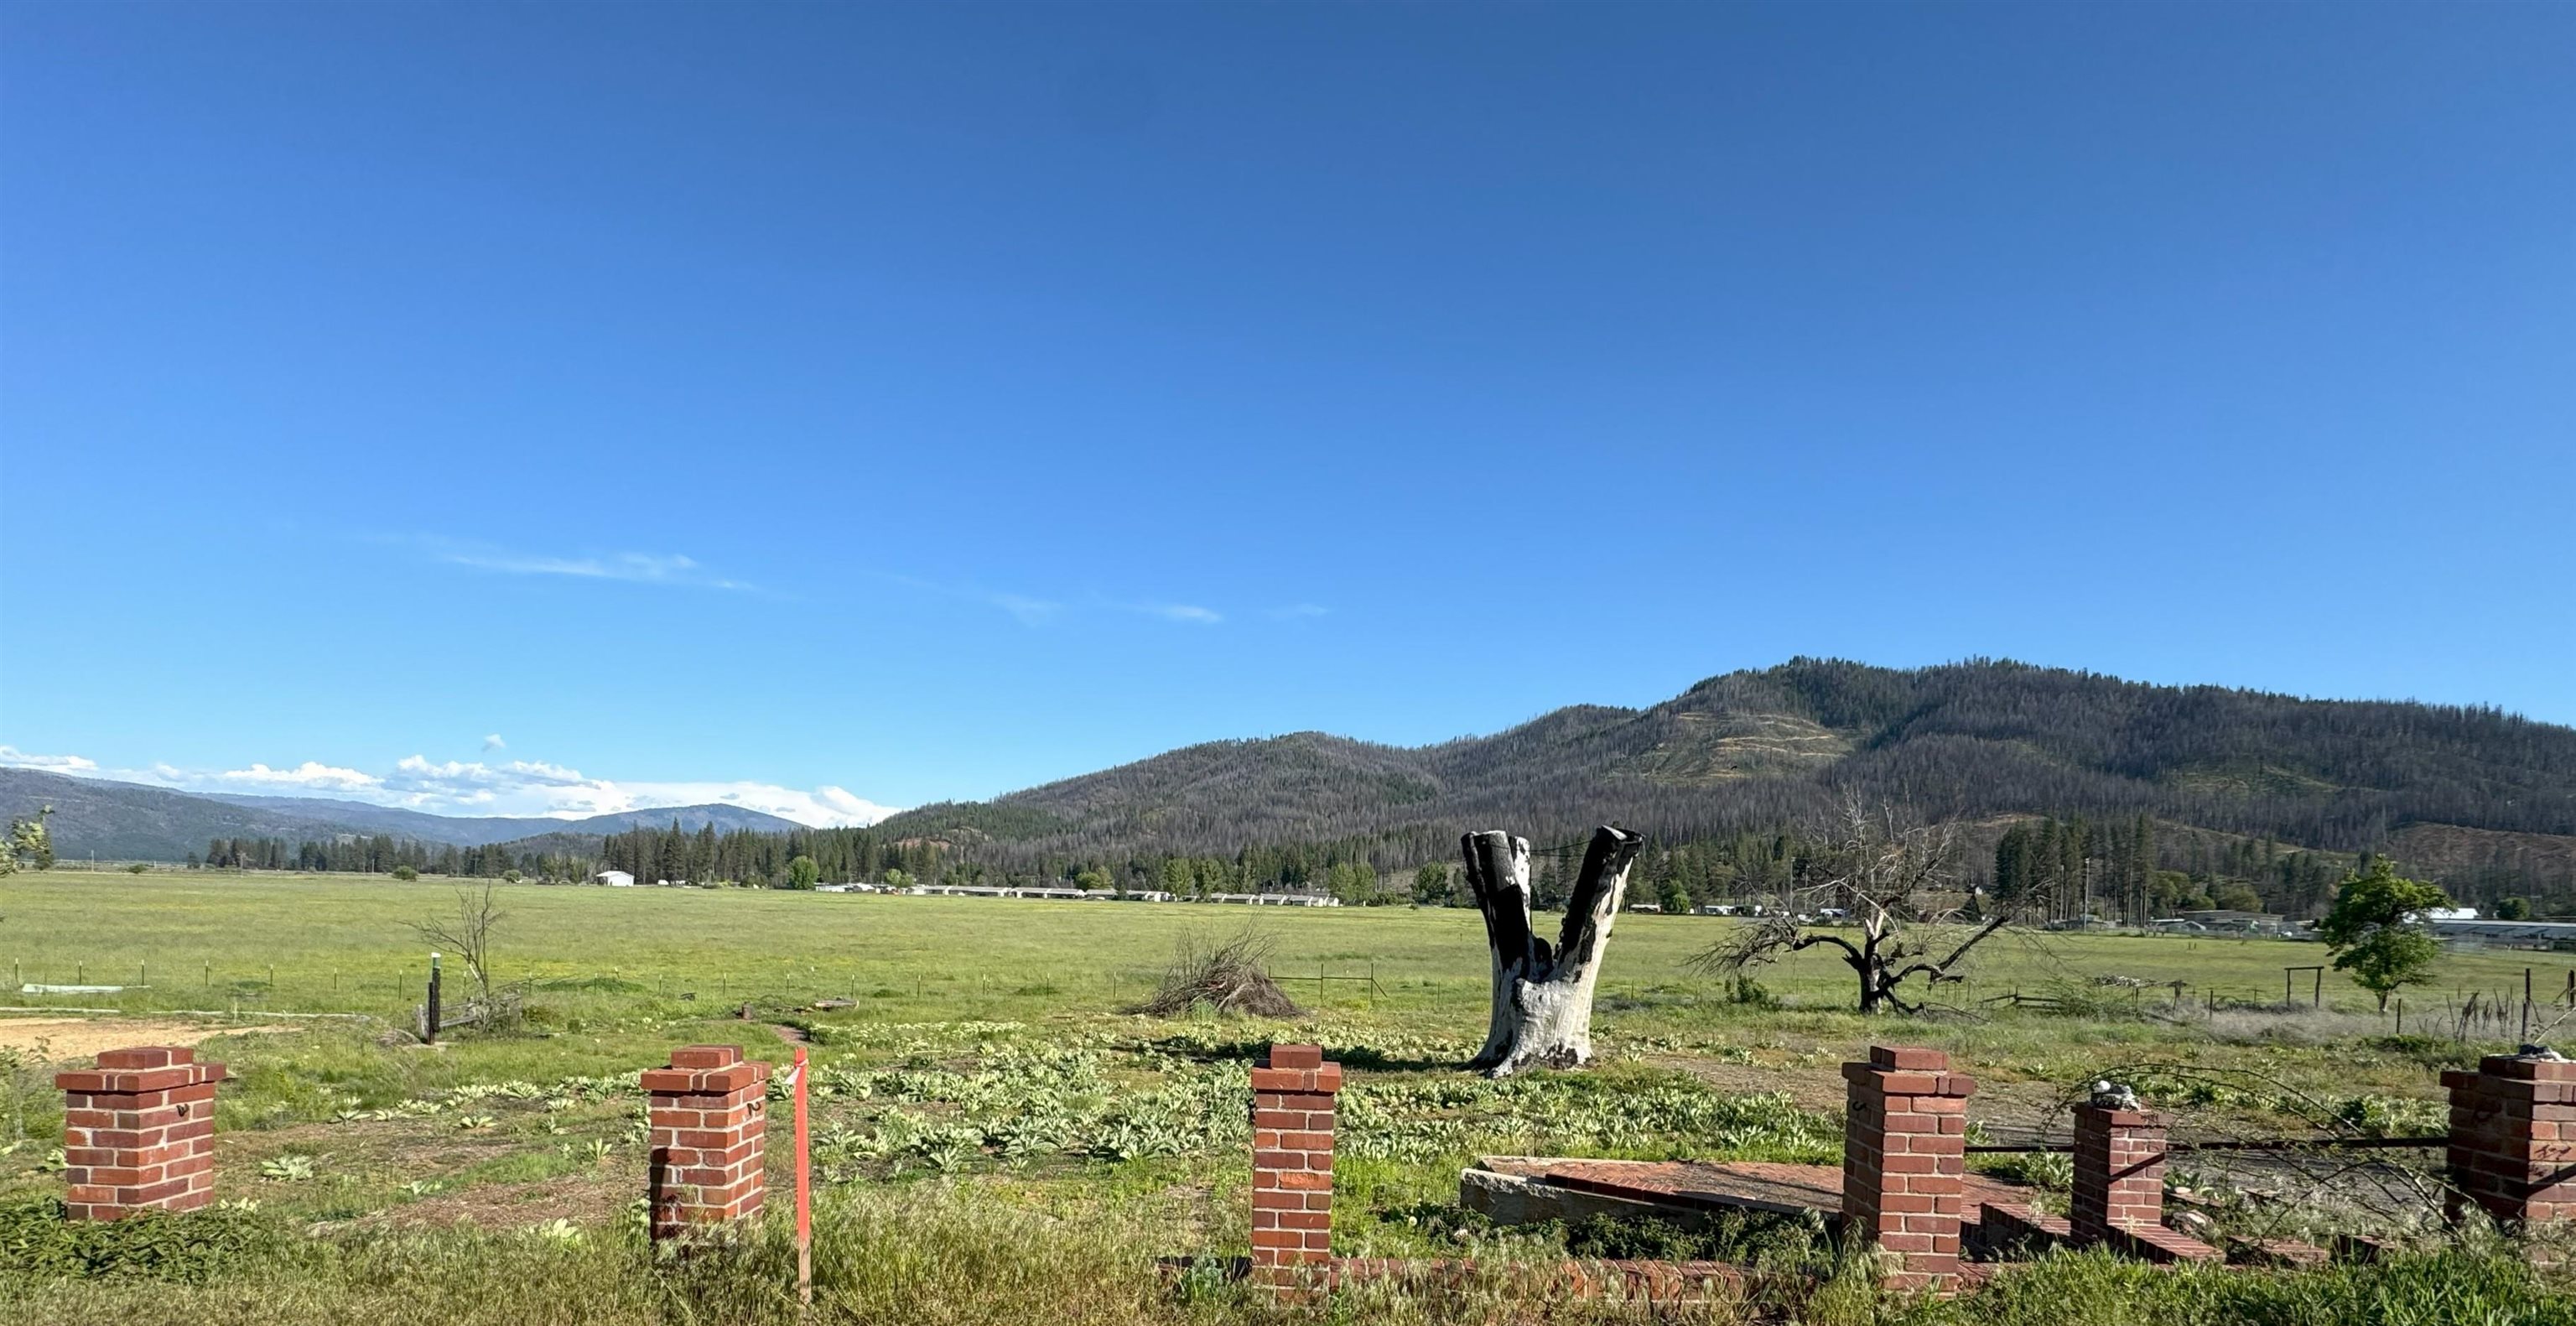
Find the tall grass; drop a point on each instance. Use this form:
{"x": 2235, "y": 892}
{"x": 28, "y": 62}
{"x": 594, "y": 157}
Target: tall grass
{"x": 955, "y": 1255}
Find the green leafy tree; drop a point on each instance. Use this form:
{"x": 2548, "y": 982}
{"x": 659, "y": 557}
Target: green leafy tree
{"x": 2513, "y": 909}
{"x": 898, "y": 879}
{"x": 29, "y": 847}
{"x": 803, "y": 873}
{"x": 1353, "y": 882}
{"x": 1432, "y": 887}
{"x": 2229, "y": 895}
{"x": 1676, "y": 900}
{"x": 406, "y": 874}
{"x": 2376, "y": 932}
{"x": 1092, "y": 879}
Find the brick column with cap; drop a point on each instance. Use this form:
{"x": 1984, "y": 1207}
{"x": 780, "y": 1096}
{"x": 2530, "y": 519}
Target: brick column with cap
{"x": 139, "y": 1132}
{"x": 2119, "y": 1199}
{"x": 1905, "y": 1139}
{"x": 2119, "y": 1170}
{"x": 709, "y": 1117}
{"x": 2513, "y": 1138}
{"x": 1292, "y": 1165}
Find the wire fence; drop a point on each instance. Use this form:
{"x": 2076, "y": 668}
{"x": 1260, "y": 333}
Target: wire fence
{"x": 393, "y": 991}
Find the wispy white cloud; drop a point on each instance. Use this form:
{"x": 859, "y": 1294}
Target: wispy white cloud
{"x": 1030, "y": 610}
{"x": 641, "y": 568}
{"x": 13, "y": 758}
{"x": 312, "y": 775}
{"x": 492, "y": 741}
{"x": 476, "y": 787}
{"x": 1174, "y": 612}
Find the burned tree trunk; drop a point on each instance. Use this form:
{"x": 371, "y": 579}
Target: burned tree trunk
{"x": 1542, "y": 996}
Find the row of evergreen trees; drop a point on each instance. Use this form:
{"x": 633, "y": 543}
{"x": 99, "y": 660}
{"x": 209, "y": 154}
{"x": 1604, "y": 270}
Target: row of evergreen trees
{"x": 376, "y": 854}
{"x": 2053, "y": 867}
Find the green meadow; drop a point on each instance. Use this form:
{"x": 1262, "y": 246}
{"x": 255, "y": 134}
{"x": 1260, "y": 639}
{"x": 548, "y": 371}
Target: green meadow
{"x": 996, "y": 1139}
{"x": 344, "y": 943}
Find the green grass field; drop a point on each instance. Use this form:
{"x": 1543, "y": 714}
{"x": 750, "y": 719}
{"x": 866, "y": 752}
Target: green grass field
{"x": 322, "y": 943}
{"x": 985, "y": 1075}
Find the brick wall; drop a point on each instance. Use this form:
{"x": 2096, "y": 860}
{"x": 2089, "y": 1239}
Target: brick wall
{"x": 1904, "y": 1151}
{"x": 709, "y": 1117}
{"x": 2513, "y": 1139}
{"x": 1292, "y": 1165}
{"x": 139, "y": 1132}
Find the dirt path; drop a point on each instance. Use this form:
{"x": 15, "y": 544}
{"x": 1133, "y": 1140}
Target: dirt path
{"x": 61, "y": 1039}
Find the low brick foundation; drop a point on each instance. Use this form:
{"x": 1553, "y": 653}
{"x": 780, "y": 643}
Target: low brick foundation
{"x": 709, "y": 1119}
{"x": 139, "y": 1132}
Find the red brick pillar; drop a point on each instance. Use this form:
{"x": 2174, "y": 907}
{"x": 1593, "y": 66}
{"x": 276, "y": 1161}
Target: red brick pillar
{"x": 1904, "y": 1151}
{"x": 139, "y": 1132}
{"x": 2513, "y": 1139}
{"x": 2119, "y": 1171}
{"x": 2120, "y": 1187}
{"x": 709, "y": 1119}
{"x": 1292, "y": 1165}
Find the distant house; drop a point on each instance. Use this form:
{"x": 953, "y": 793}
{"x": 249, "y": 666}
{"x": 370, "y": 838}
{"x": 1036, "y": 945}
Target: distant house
{"x": 615, "y": 879}
{"x": 1005, "y": 891}
{"x": 2512, "y": 934}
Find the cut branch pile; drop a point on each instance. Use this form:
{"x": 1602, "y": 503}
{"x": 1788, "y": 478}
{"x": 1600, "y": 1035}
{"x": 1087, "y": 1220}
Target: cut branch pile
{"x": 1228, "y": 977}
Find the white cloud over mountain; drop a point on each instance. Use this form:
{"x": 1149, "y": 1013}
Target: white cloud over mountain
{"x": 14, "y": 758}
{"x": 476, "y": 787}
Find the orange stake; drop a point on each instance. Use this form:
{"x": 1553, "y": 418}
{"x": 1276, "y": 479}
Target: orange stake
{"x": 804, "y": 1193}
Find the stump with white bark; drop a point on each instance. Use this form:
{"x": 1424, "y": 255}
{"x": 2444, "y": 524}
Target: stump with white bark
{"x": 1542, "y": 996}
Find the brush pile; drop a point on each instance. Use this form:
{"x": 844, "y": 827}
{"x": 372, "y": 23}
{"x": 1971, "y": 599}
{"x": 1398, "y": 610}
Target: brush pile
{"x": 1232, "y": 976}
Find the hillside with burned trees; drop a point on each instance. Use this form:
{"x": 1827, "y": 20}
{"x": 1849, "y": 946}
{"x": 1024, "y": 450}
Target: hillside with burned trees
{"x": 2227, "y": 782}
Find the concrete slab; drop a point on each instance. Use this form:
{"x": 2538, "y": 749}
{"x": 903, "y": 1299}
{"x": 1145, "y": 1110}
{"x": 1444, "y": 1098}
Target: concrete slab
{"x": 1704, "y": 1186}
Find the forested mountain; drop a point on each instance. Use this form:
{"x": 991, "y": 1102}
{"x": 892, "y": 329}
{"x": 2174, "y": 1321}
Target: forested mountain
{"x": 418, "y": 826}
{"x": 1751, "y": 753}
{"x": 129, "y": 821}
{"x": 132, "y": 821}
{"x": 2104, "y": 795}
{"x": 484, "y": 830}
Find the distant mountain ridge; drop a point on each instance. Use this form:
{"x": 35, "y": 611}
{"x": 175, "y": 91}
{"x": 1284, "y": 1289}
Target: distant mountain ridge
{"x": 135, "y": 821}
{"x": 1758, "y": 749}
{"x": 2472, "y": 791}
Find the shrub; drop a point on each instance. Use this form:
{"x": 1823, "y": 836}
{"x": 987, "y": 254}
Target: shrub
{"x": 37, "y": 1243}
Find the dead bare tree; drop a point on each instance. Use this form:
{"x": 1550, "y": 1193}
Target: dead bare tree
{"x": 1542, "y": 996}
{"x": 1881, "y": 873}
{"x": 468, "y": 933}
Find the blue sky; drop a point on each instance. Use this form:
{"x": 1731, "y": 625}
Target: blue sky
{"x": 600, "y": 404}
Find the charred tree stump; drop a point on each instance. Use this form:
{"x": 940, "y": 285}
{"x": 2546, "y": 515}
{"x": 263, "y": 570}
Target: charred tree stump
{"x": 1542, "y": 996}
